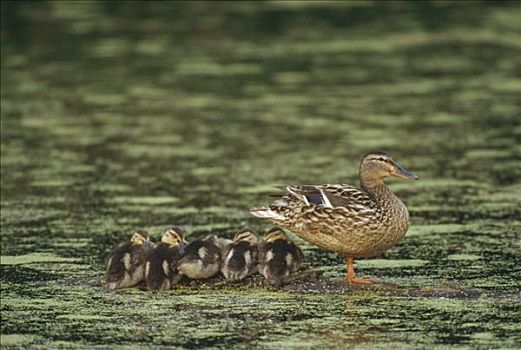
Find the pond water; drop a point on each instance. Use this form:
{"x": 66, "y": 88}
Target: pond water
{"x": 117, "y": 116}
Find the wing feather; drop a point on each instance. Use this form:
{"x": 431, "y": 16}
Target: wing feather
{"x": 334, "y": 196}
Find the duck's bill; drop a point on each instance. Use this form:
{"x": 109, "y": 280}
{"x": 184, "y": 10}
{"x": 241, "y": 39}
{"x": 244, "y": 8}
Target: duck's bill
{"x": 404, "y": 174}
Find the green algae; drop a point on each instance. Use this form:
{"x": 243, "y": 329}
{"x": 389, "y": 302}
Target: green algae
{"x": 190, "y": 123}
{"x": 205, "y": 67}
{"x": 470, "y": 257}
{"x": 34, "y": 258}
{"x": 390, "y": 264}
{"x": 159, "y": 200}
{"x": 17, "y": 340}
{"x": 421, "y": 230}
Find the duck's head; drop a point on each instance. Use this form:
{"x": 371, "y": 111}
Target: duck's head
{"x": 375, "y": 166}
{"x": 221, "y": 242}
{"x": 140, "y": 237}
{"x": 210, "y": 238}
{"x": 247, "y": 235}
{"x": 275, "y": 234}
{"x": 174, "y": 237}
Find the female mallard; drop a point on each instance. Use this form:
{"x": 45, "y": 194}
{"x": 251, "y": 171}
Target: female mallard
{"x": 350, "y": 221}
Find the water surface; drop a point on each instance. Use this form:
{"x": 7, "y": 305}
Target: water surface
{"x": 117, "y": 116}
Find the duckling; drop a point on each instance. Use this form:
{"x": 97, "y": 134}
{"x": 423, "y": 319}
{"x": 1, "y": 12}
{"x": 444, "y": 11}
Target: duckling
{"x": 126, "y": 262}
{"x": 240, "y": 259}
{"x": 203, "y": 257}
{"x": 278, "y": 257}
{"x": 160, "y": 272}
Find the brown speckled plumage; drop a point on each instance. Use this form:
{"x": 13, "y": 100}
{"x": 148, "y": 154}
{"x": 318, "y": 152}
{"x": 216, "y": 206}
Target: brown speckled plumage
{"x": 354, "y": 222}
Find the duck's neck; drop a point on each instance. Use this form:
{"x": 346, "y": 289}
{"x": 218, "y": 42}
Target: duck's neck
{"x": 378, "y": 190}
{"x": 395, "y": 209}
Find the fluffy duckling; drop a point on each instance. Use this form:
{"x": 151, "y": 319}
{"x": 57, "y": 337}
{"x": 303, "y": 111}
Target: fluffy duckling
{"x": 203, "y": 257}
{"x": 160, "y": 271}
{"x": 240, "y": 259}
{"x": 278, "y": 257}
{"x": 126, "y": 262}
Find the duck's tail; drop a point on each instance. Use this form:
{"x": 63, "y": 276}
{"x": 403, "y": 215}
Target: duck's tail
{"x": 281, "y": 209}
{"x": 266, "y": 212}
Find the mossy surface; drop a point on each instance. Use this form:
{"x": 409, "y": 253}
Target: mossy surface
{"x": 117, "y": 116}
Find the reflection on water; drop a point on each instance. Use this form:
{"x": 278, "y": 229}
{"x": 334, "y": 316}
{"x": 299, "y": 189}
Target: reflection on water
{"x": 119, "y": 115}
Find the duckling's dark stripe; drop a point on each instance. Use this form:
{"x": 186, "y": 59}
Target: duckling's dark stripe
{"x": 275, "y": 234}
{"x": 243, "y": 235}
{"x": 274, "y": 229}
{"x": 142, "y": 233}
{"x": 246, "y": 230}
{"x": 176, "y": 229}
{"x": 175, "y": 234}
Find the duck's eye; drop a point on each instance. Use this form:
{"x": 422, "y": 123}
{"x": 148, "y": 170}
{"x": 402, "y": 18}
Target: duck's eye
{"x": 381, "y": 159}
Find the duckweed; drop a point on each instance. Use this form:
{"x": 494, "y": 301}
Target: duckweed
{"x": 124, "y": 116}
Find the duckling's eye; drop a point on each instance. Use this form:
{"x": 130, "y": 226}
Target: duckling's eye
{"x": 381, "y": 159}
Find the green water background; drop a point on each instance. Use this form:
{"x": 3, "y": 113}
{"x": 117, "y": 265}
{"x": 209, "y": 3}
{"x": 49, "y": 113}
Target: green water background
{"x": 121, "y": 115}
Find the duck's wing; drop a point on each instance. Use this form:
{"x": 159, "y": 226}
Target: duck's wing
{"x": 333, "y": 196}
{"x": 311, "y": 203}
{"x": 119, "y": 262}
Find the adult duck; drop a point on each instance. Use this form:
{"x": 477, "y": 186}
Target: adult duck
{"x": 354, "y": 222}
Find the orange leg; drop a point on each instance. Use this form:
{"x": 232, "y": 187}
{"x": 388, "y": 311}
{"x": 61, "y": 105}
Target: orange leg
{"x": 350, "y": 276}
